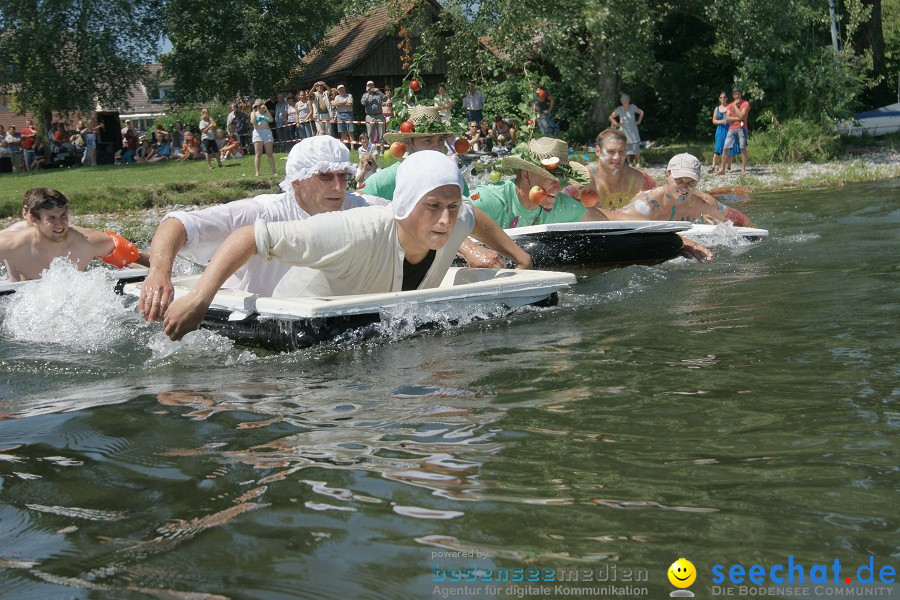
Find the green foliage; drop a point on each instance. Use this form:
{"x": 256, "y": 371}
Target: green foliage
{"x": 795, "y": 140}
{"x": 70, "y": 56}
{"x": 190, "y": 116}
{"x": 230, "y": 46}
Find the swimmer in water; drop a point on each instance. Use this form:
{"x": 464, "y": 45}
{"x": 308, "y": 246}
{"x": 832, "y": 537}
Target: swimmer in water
{"x": 679, "y": 200}
{"x": 29, "y": 246}
{"x": 612, "y": 179}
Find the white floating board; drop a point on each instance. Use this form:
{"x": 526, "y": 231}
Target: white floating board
{"x": 700, "y": 231}
{"x": 462, "y": 286}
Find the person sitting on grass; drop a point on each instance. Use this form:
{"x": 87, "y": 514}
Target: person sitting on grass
{"x": 191, "y": 148}
{"x": 409, "y": 245}
{"x": 28, "y": 247}
{"x": 679, "y": 200}
{"x": 163, "y": 147}
{"x": 232, "y": 147}
{"x": 146, "y": 151}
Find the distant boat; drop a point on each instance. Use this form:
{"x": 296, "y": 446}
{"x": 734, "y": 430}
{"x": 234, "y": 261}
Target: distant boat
{"x": 880, "y": 121}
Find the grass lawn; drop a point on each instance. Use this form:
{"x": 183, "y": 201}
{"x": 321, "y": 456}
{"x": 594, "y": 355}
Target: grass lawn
{"x": 121, "y": 188}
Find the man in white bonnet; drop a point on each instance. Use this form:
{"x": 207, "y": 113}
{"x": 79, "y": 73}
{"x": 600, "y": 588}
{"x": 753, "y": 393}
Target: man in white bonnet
{"x": 405, "y": 246}
{"x": 315, "y": 182}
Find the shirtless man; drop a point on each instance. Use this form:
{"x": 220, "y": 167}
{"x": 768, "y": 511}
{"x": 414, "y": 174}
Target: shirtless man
{"x": 613, "y": 181}
{"x": 28, "y": 247}
{"x": 678, "y": 199}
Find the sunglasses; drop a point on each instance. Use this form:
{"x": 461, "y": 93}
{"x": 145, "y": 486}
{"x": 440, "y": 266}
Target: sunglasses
{"x": 49, "y": 204}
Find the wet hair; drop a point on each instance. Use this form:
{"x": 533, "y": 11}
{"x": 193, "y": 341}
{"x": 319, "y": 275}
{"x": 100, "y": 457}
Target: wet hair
{"x": 607, "y": 134}
{"x": 35, "y": 197}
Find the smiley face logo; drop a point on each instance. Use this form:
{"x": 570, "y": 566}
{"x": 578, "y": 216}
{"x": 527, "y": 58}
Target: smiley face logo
{"x": 682, "y": 573}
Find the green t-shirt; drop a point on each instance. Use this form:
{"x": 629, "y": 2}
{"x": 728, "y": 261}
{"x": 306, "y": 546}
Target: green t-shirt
{"x": 501, "y": 203}
{"x": 382, "y": 183}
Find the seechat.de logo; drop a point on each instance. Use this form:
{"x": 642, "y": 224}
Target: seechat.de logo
{"x": 682, "y": 574}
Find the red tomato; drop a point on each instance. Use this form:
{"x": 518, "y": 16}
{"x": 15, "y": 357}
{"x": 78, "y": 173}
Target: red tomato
{"x": 461, "y": 146}
{"x": 414, "y": 85}
{"x": 407, "y": 127}
{"x": 398, "y": 149}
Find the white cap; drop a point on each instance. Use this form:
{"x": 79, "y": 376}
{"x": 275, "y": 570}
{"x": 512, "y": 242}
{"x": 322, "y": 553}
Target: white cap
{"x": 684, "y": 165}
{"x": 314, "y": 155}
{"x": 419, "y": 174}
{"x": 370, "y": 82}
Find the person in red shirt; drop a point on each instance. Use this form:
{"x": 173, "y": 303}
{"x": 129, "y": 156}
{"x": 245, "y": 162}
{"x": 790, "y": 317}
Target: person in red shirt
{"x": 29, "y": 136}
{"x": 736, "y": 114}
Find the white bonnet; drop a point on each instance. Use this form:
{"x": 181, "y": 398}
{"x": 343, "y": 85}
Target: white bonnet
{"x": 314, "y": 155}
{"x": 419, "y": 174}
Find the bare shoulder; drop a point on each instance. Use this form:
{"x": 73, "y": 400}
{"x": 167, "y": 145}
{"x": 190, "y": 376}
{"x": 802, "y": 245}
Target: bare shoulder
{"x": 14, "y": 236}
{"x": 97, "y": 241}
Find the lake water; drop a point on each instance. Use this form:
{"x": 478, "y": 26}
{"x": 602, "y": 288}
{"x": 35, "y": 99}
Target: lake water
{"x": 736, "y": 412}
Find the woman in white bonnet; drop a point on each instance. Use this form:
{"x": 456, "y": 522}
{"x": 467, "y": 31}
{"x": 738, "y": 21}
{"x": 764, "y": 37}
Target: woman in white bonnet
{"x": 407, "y": 245}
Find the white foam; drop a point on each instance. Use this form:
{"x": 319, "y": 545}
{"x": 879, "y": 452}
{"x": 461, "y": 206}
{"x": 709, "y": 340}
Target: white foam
{"x": 67, "y": 306}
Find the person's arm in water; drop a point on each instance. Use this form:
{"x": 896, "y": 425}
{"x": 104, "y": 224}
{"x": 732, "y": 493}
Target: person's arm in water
{"x": 186, "y": 313}
{"x": 157, "y": 289}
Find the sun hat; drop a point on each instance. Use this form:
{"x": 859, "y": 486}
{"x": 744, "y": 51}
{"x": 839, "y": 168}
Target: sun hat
{"x": 537, "y": 156}
{"x": 684, "y": 165}
{"x": 427, "y": 122}
{"x": 419, "y": 174}
{"x": 370, "y": 82}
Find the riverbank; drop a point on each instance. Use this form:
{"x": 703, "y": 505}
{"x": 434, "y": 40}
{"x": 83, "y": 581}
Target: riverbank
{"x": 149, "y": 198}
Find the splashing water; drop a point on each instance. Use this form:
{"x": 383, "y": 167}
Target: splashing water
{"x": 67, "y": 306}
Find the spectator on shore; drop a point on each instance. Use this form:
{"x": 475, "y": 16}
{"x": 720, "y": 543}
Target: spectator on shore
{"x": 5, "y": 152}
{"x": 473, "y": 103}
{"x": 304, "y": 114}
{"x": 505, "y": 129}
{"x": 232, "y": 147}
{"x": 627, "y": 117}
{"x": 343, "y": 103}
{"x": 128, "y": 128}
{"x": 443, "y": 103}
{"x": 473, "y": 135}
{"x": 487, "y": 136}
{"x": 263, "y": 141}
{"x": 281, "y": 133}
{"x": 208, "y": 138}
{"x": 320, "y": 95}
{"x": 163, "y": 147}
{"x": 387, "y": 106}
{"x": 177, "y": 138}
{"x": 14, "y": 143}
{"x": 220, "y": 139}
{"x": 737, "y": 116}
{"x": 146, "y": 152}
{"x": 368, "y": 164}
{"x": 543, "y": 107}
{"x": 292, "y": 127}
{"x": 238, "y": 118}
{"x": 191, "y": 148}
{"x": 40, "y": 154}
{"x": 129, "y": 146}
{"x": 29, "y": 136}
{"x": 91, "y": 137}
{"x": 372, "y": 101}
{"x": 721, "y": 123}
{"x": 332, "y": 115}
{"x": 365, "y": 146}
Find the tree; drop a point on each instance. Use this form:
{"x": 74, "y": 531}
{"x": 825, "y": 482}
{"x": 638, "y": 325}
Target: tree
{"x": 68, "y": 56}
{"x": 220, "y": 48}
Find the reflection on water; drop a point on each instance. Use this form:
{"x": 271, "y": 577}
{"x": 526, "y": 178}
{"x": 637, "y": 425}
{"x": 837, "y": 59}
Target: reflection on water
{"x": 737, "y": 411}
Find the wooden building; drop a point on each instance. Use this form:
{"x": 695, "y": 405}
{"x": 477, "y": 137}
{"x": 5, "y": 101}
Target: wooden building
{"x": 368, "y": 47}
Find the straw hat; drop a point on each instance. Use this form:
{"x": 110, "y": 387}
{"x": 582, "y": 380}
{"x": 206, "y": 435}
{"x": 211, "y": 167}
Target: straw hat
{"x": 528, "y": 157}
{"x": 427, "y": 121}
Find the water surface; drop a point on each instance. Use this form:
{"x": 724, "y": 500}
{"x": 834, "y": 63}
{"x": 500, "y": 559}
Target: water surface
{"x": 733, "y": 412}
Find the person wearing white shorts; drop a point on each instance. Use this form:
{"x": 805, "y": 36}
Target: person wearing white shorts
{"x": 262, "y": 138}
